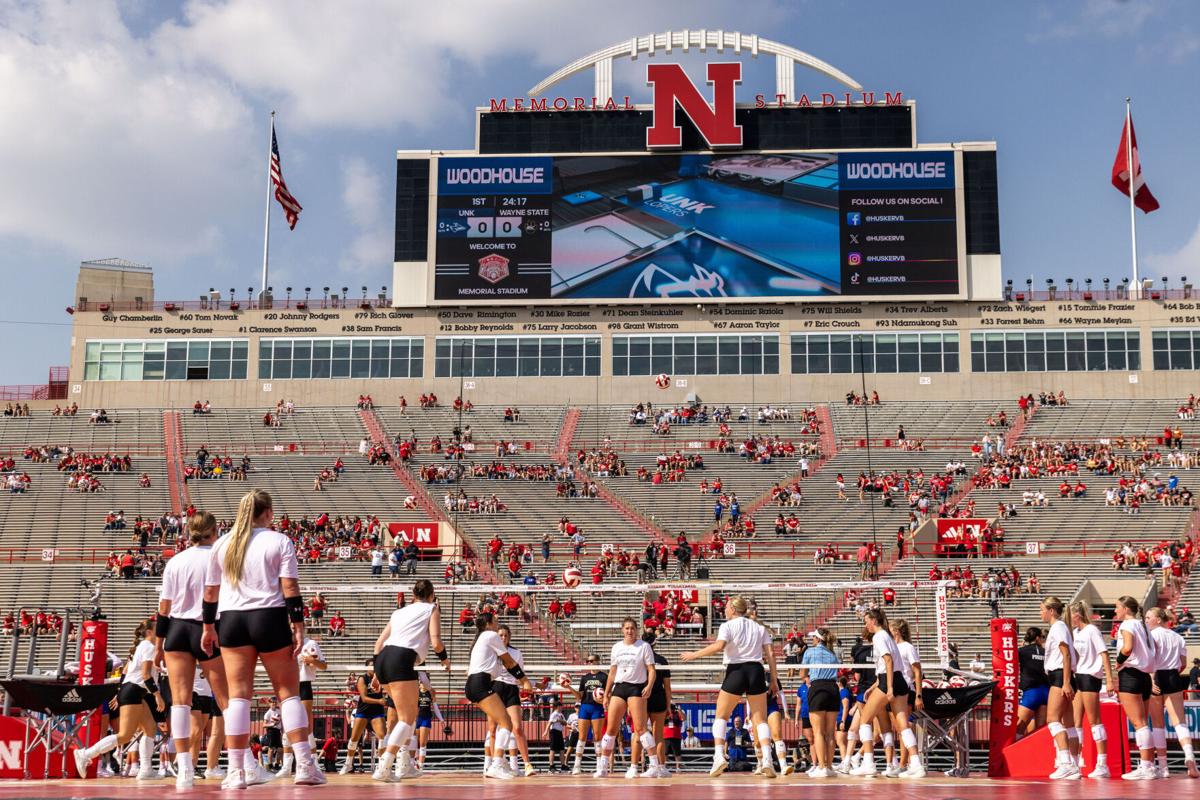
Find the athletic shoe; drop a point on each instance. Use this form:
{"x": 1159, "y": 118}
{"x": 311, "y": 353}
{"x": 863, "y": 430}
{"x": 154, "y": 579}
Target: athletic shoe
{"x": 788, "y": 767}
{"x": 767, "y": 770}
{"x": 530, "y": 770}
{"x": 215, "y": 772}
{"x": 632, "y": 772}
{"x": 236, "y": 779}
{"x": 809, "y": 772}
{"x": 185, "y": 779}
{"x": 1139, "y": 773}
{"x": 914, "y": 771}
{"x": 1101, "y": 771}
{"x": 892, "y": 771}
{"x": 1162, "y": 771}
{"x": 720, "y": 764}
{"x": 147, "y": 774}
{"x": 577, "y": 769}
{"x": 284, "y": 771}
{"x": 1066, "y": 770}
{"x": 307, "y": 774}
{"x": 347, "y": 767}
{"x": 1192, "y": 772}
{"x": 843, "y": 768}
{"x": 383, "y": 773}
{"x": 162, "y": 771}
{"x": 256, "y": 775}
{"x": 500, "y": 771}
{"x": 855, "y": 760}
{"x": 407, "y": 768}
{"x": 131, "y": 769}
{"x": 82, "y": 762}
{"x": 104, "y": 771}
{"x": 866, "y": 769}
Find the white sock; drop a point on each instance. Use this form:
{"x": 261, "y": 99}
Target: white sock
{"x": 781, "y": 753}
{"x": 288, "y": 759}
{"x": 237, "y": 758}
{"x": 146, "y": 752}
{"x": 183, "y": 760}
{"x": 302, "y": 750}
{"x": 105, "y": 745}
{"x": 1185, "y": 742}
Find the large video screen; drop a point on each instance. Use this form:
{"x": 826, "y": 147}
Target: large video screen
{"x": 696, "y": 226}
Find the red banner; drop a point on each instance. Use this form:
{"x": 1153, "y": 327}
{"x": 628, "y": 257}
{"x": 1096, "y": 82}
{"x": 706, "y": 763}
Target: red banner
{"x": 425, "y": 534}
{"x": 1006, "y": 673}
{"x": 93, "y": 662}
{"x": 955, "y": 535}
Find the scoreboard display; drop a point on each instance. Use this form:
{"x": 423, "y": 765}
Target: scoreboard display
{"x": 697, "y": 227}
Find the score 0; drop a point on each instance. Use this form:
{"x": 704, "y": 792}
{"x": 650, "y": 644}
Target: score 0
{"x": 494, "y": 227}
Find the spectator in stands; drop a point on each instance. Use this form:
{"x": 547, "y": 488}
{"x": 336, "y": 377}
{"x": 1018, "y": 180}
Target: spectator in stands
{"x": 337, "y": 624}
{"x": 411, "y": 554}
{"x": 377, "y": 560}
{"x": 1194, "y": 675}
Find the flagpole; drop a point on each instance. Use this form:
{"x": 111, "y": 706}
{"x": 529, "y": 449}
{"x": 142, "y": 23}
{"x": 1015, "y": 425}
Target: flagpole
{"x": 1137, "y": 286}
{"x": 267, "y": 215}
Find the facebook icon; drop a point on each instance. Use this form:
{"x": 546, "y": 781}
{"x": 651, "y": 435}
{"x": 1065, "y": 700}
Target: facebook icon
{"x": 853, "y": 218}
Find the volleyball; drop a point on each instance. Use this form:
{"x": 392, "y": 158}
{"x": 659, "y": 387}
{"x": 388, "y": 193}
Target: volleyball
{"x": 564, "y": 680}
{"x": 598, "y": 695}
{"x": 662, "y": 380}
{"x": 572, "y": 576}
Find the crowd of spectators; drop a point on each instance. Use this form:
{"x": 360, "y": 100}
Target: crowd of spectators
{"x": 206, "y": 466}
{"x": 17, "y": 410}
{"x": 28, "y": 621}
{"x": 853, "y": 398}
{"x": 60, "y": 411}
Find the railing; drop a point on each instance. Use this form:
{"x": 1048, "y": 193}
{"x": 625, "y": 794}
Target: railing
{"x": 926, "y": 442}
{"x": 99, "y": 555}
{"x": 1017, "y": 294}
{"x": 233, "y": 304}
{"x": 32, "y": 391}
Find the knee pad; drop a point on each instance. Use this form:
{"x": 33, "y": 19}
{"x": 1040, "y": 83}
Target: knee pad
{"x": 501, "y": 741}
{"x": 1159, "y": 737}
{"x": 292, "y": 715}
{"x": 1075, "y": 733}
{"x": 181, "y": 722}
{"x": 888, "y": 739}
{"x": 647, "y": 740}
{"x": 580, "y": 746}
{"x": 237, "y": 717}
{"x": 764, "y": 734}
{"x": 908, "y": 738}
{"x": 852, "y": 736}
{"x": 1056, "y": 728}
{"x": 399, "y": 734}
{"x": 606, "y": 744}
{"x": 487, "y": 741}
{"x": 718, "y": 729}
{"x": 866, "y": 734}
{"x": 1099, "y": 733}
{"x": 1144, "y": 738}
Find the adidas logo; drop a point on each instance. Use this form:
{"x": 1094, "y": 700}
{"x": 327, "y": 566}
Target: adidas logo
{"x": 72, "y": 697}
{"x": 944, "y": 699}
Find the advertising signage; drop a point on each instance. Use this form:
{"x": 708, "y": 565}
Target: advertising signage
{"x": 696, "y": 227}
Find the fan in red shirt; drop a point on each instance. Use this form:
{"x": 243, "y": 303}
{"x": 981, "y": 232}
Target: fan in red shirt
{"x": 337, "y": 624}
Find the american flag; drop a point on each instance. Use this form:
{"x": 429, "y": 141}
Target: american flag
{"x": 291, "y": 208}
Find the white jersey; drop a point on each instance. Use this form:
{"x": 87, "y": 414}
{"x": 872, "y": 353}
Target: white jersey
{"x": 269, "y": 556}
{"x": 313, "y": 649}
{"x": 573, "y": 723}
{"x": 1058, "y": 634}
{"x": 505, "y": 676}
{"x": 183, "y": 582}
{"x": 142, "y": 654}
{"x": 630, "y": 661}
{"x": 885, "y": 645}
{"x": 908, "y": 657}
{"x": 557, "y": 720}
{"x": 200, "y": 684}
{"x": 743, "y": 640}
{"x": 410, "y": 628}
{"x": 1141, "y": 657}
{"x": 271, "y": 718}
{"x": 1170, "y": 649}
{"x": 485, "y": 655}
{"x": 1090, "y": 650}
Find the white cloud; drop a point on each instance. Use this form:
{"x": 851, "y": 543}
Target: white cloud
{"x": 1183, "y": 261}
{"x": 365, "y": 201}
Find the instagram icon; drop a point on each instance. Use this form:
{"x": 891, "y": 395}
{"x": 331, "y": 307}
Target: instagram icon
{"x": 854, "y": 259}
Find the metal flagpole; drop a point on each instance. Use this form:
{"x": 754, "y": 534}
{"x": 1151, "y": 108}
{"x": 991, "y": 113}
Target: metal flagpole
{"x": 1132, "y": 191}
{"x": 267, "y": 215}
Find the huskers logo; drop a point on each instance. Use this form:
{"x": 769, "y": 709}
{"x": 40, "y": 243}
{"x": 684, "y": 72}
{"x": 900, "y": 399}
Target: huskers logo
{"x": 717, "y": 122}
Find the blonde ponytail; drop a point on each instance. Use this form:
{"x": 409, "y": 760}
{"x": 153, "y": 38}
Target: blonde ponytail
{"x": 253, "y": 504}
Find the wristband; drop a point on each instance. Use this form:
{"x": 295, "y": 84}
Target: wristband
{"x": 516, "y": 671}
{"x": 1121, "y": 658}
{"x": 151, "y": 686}
{"x": 162, "y": 624}
{"x": 208, "y": 612}
{"x": 442, "y": 655}
{"x": 295, "y": 608}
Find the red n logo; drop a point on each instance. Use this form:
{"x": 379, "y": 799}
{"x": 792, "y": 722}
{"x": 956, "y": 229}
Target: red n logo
{"x": 717, "y": 123}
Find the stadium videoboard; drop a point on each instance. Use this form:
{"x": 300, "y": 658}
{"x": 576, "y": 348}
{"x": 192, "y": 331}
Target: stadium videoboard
{"x": 688, "y": 227}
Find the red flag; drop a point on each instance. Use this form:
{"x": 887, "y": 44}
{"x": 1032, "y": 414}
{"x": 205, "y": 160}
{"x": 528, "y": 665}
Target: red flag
{"x": 1120, "y": 171}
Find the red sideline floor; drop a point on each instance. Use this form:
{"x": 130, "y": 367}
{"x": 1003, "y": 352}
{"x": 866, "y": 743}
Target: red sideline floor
{"x": 686, "y": 787}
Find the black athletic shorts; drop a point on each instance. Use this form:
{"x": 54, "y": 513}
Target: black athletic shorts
{"x": 823, "y": 695}
{"x": 572, "y": 740}
{"x": 674, "y": 747}
{"x": 1134, "y": 681}
{"x": 657, "y": 702}
{"x": 388, "y": 702}
{"x": 1087, "y": 683}
{"x": 510, "y": 693}
{"x": 273, "y": 737}
{"x": 900, "y": 689}
{"x": 164, "y": 691}
{"x": 396, "y": 664}
{"x": 1055, "y": 678}
{"x": 1170, "y": 681}
{"x": 480, "y": 686}
{"x": 748, "y": 678}
{"x": 556, "y": 741}
{"x": 847, "y": 723}
{"x": 306, "y": 692}
{"x": 627, "y": 690}
{"x": 183, "y": 636}
{"x": 203, "y": 703}
{"x": 265, "y": 629}
{"x": 131, "y": 694}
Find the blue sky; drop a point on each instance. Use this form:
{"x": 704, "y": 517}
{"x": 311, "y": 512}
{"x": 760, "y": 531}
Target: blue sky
{"x": 138, "y": 129}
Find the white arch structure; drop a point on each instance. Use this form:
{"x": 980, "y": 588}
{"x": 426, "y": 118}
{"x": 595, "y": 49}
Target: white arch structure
{"x": 786, "y": 58}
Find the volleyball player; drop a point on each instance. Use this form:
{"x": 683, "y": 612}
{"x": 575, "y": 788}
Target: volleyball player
{"x": 1060, "y": 663}
{"x": 427, "y": 709}
{"x": 656, "y": 709}
{"x": 864, "y": 678}
{"x": 631, "y": 679}
{"x": 1135, "y": 665}
{"x": 776, "y": 705}
{"x": 488, "y": 657}
{"x": 844, "y": 717}
{"x": 404, "y": 643}
{"x": 910, "y": 667}
{"x": 1170, "y": 658}
{"x": 1035, "y": 688}
{"x": 509, "y": 692}
{"x": 370, "y": 711}
{"x": 310, "y": 661}
{"x": 1092, "y": 668}
{"x": 202, "y": 706}
{"x": 252, "y": 584}
{"x": 139, "y": 689}
{"x": 823, "y": 700}
{"x": 740, "y": 642}
{"x": 591, "y": 709}
{"x": 890, "y": 693}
